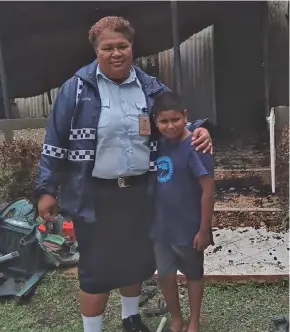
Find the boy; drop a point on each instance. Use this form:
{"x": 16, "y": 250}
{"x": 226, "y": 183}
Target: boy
{"x": 183, "y": 212}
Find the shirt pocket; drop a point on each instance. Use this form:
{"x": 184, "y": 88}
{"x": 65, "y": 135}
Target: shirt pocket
{"x": 137, "y": 109}
{"x": 104, "y": 120}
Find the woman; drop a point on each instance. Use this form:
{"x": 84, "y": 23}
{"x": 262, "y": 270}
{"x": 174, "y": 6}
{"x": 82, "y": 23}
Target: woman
{"x": 99, "y": 159}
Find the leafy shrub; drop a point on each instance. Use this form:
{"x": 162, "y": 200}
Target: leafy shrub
{"x": 18, "y": 168}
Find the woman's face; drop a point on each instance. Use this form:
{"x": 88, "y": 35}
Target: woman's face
{"x": 115, "y": 56}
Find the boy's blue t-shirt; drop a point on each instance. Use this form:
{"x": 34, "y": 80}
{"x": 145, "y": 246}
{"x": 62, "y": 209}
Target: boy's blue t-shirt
{"x": 178, "y": 192}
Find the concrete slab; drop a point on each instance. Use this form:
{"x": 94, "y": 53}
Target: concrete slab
{"x": 247, "y": 252}
{"x": 243, "y": 254}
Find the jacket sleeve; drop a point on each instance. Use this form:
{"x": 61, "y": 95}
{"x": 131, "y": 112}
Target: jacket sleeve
{"x": 56, "y": 142}
{"x": 204, "y": 123}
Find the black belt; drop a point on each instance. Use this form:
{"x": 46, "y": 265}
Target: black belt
{"x": 125, "y": 181}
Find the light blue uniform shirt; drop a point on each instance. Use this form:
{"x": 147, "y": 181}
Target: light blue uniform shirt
{"x": 120, "y": 151}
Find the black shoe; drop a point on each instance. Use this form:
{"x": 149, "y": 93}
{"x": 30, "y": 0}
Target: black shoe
{"x": 134, "y": 324}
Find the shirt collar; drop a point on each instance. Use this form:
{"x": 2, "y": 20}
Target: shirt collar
{"x": 132, "y": 77}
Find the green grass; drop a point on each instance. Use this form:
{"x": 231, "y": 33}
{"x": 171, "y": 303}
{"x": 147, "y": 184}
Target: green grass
{"x": 226, "y": 308}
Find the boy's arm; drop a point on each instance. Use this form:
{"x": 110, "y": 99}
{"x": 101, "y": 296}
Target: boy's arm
{"x": 207, "y": 202}
{"x": 202, "y": 167}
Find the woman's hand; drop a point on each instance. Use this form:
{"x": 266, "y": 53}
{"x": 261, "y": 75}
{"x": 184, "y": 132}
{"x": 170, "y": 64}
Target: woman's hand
{"x": 201, "y": 138}
{"x": 46, "y": 205}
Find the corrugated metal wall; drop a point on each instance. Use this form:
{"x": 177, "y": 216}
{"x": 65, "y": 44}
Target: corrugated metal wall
{"x": 197, "y": 61}
{"x": 278, "y": 52}
{"x": 38, "y": 106}
{"x": 35, "y": 107}
{"x": 149, "y": 64}
{"x": 239, "y": 71}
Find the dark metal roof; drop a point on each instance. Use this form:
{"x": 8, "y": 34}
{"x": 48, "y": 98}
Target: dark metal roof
{"x": 44, "y": 43}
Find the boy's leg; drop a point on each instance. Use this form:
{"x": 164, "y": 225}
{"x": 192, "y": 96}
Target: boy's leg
{"x": 166, "y": 267}
{"x": 195, "y": 293}
{"x": 190, "y": 263}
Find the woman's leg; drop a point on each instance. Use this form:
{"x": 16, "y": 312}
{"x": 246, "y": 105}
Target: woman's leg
{"x": 92, "y": 310}
{"x": 130, "y": 308}
{"x": 93, "y": 292}
{"x": 130, "y": 300}
{"x": 93, "y": 304}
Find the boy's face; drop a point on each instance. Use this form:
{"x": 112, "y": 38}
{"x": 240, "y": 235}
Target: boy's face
{"x": 171, "y": 123}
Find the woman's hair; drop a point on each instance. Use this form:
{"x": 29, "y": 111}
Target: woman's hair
{"x": 114, "y": 23}
{"x": 168, "y": 101}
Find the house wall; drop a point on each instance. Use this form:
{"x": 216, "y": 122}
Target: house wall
{"x": 239, "y": 73}
{"x": 278, "y": 52}
{"x": 197, "y": 63}
{"x": 223, "y": 68}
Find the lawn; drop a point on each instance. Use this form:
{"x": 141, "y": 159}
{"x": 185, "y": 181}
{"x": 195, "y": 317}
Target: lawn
{"x": 226, "y": 308}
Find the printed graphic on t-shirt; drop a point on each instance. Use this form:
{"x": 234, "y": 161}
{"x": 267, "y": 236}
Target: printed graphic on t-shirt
{"x": 165, "y": 169}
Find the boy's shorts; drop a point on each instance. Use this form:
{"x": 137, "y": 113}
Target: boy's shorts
{"x": 186, "y": 259}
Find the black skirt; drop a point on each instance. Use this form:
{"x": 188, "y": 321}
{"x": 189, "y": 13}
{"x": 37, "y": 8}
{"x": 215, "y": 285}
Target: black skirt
{"x": 116, "y": 251}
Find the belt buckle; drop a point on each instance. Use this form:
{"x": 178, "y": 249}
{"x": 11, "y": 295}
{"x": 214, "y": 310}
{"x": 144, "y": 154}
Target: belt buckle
{"x": 122, "y": 183}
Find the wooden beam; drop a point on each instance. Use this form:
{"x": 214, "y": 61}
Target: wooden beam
{"x": 253, "y": 209}
{"x": 9, "y": 125}
{"x": 20, "y": 124}
{"x": 242, "y": 170}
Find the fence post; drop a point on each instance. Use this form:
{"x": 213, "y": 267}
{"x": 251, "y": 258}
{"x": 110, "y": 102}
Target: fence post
{"x": 4, "y": 86}
{"x": 176, "y": 47}
{"x": 8, "y": 134}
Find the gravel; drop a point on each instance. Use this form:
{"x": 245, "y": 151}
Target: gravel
{"x": 27, "y": 134}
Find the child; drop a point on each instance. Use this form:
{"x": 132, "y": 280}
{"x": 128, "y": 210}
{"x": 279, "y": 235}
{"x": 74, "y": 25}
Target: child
{"x": 183, "y": 212}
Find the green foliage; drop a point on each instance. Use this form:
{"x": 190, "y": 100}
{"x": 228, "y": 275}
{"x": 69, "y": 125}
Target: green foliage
{"x": 18, "y": 168}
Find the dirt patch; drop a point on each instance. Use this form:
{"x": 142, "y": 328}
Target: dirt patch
{"x": 224, "y": 219}
{"x": 246, "y": 197}
{"x": 251, "y": 160}
{"x": 243, "y": 178}
{"x": 240, "y": 155}
{"x": 282, "y": 174}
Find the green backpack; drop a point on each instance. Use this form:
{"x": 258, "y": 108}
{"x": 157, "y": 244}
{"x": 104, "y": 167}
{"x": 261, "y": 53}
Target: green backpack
{"x": 20, "y": 217}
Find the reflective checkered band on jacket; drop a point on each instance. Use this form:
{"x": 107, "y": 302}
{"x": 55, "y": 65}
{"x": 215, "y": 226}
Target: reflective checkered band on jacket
{"x": 80, "y": 85}
{"x": 153, "y": 166}
{"x": 153, "y": 146}
{"x": 153, "y": 156}
{"x": 81, "y": 155}
{"x": 188, "y": 124}
{"x": 53, "y": 151}
{"x": 84, "y": 133}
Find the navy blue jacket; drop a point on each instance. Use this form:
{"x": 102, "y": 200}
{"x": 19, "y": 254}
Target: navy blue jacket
{"x": 67, "y": 160}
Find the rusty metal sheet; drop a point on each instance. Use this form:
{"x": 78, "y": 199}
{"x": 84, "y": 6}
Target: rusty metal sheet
{"x": 197, "y": 62}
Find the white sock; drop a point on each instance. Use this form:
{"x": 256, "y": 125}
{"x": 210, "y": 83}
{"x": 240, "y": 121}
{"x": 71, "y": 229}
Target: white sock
{"x": 130, "y": 306}
{"x": 93, "y": 324}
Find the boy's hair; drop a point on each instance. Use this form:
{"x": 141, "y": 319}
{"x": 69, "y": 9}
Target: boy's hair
{"x": 168, "y": 101}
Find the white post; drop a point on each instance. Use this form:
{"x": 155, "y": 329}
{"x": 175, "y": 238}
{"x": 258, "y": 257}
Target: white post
{"x": 161, "y": 325}
{"x": 271, "y": 120}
